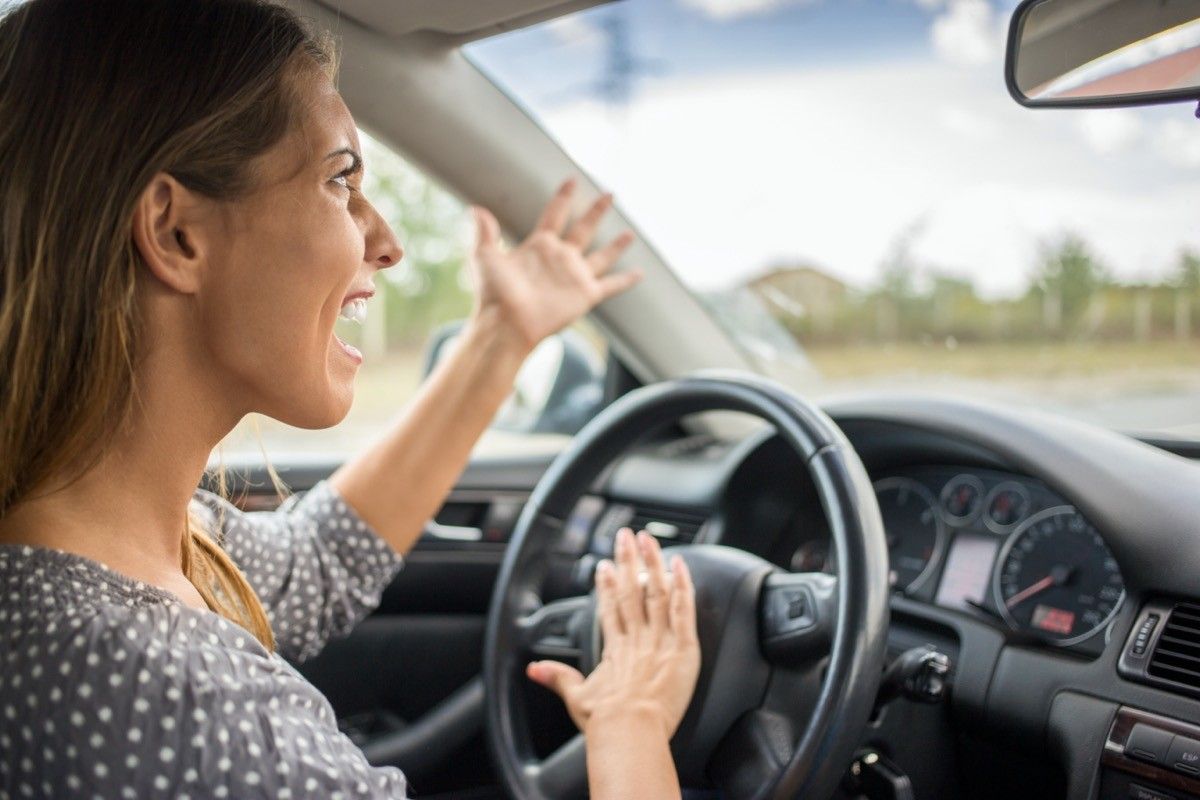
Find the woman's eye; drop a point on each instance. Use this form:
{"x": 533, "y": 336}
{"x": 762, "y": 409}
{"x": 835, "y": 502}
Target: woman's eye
{"x": 343, "y": 180}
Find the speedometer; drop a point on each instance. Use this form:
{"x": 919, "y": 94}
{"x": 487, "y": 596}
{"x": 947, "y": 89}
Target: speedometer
{"x": 1056, "y": 578}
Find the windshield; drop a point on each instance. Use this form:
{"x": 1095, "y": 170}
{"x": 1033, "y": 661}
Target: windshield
{"x": 852, "y": 180}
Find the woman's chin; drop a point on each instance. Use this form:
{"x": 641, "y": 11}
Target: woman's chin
{"x": 326, "y": 415}
{"x": 323, "y": 399}
{"x": 321, "y": 407}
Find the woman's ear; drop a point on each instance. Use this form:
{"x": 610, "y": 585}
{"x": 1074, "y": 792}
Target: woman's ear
{"x": 169, "y": 234}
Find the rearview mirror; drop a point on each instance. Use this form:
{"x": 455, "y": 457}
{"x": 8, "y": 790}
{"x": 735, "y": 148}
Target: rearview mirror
{"x": 1064, "y": 53}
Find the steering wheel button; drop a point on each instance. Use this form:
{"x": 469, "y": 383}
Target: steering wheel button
{"x": 1184, "y": 755}
{"x": 1148, "y": 744}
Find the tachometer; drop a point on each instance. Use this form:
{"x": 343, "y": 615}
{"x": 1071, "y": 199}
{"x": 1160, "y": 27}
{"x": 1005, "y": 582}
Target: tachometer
{"x": 1056, "y": 578}
{"x": 915, "y": 532}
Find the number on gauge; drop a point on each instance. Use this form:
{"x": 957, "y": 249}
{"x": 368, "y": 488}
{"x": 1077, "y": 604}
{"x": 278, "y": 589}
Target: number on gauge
{"x": 914, "y": 531}
{"x": 1057, "y": 579}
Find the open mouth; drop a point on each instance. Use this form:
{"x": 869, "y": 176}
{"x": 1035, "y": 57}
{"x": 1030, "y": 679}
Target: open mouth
{"x": 354, "y": 310}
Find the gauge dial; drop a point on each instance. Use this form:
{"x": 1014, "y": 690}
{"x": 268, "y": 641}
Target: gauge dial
{"x": 915, "y": 532}
{"x": 1006, "y": 505}
{"x": 962, "y": 498}
{"x": 1056, "y": 578}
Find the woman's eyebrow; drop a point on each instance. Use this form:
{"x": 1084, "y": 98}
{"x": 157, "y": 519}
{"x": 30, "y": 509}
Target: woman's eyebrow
{"x": 346, "y": 151}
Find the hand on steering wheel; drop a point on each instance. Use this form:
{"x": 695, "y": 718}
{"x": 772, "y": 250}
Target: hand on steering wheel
{"x": 651, "y": 655}
{"x": 789, "y": 662}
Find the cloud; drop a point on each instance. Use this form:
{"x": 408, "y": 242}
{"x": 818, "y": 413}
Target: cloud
{"x": 1179, "y": 142}
{"x": 966, "y": 122}
{"x": 967, "y": 32}
{"x": 1109, "y": 131}
{"x": 574, "y": 30}
{"x": 796, "y": 165}
{"x": 732, "y": 9}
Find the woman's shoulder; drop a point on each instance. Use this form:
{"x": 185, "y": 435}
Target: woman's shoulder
{"x": 85, "y": 641}
{"x": 63, "y": 608}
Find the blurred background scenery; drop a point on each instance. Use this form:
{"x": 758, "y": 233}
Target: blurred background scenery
{"x": 848, "y": 187}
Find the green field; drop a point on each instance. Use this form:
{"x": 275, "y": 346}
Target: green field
{"x": 1023, "y": 360}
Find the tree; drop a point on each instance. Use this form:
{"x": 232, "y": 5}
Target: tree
{"x": 898, "y": 271}
{"x": 1068, "y": 275}
{"x": 429, "y": 286}
{"x": 1187, "y": 273}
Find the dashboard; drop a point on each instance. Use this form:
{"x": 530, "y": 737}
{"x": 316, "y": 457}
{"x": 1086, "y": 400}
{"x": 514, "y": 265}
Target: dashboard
{"x": 985, "y": 542}
{"x": 1050, "y": 560}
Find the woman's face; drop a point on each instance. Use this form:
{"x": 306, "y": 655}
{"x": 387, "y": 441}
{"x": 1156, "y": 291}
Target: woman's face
{"x": 291, "y": 255}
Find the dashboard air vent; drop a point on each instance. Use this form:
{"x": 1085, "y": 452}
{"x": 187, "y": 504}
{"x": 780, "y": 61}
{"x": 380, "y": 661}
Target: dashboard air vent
{"x": 1176, "y": 656}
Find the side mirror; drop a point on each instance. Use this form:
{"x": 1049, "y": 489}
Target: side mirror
{"x": 559, "y": 388}
{"x": 1079, "y": 53}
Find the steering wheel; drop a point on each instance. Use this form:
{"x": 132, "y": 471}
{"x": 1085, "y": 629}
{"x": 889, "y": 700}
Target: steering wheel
{"x": 790, "y": 662}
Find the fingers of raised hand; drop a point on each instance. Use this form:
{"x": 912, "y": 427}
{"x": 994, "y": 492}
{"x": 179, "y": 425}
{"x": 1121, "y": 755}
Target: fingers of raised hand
{"x": 602, "y": 259}
{"x": 613, "y": 285}
{"x": 487, "y": 229}
{"x": 583, "y": 230}
{"x": 558, "y": 210}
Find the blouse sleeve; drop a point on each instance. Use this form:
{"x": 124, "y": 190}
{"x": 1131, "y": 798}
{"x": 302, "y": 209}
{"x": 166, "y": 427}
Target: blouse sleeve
{"x": 317, "y": 566}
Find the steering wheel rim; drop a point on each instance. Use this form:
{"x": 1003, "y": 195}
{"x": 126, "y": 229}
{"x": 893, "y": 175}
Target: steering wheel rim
{"x": 759, "y": 762}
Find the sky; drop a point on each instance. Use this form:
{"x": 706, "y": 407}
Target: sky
{"x": 825, "y": 132}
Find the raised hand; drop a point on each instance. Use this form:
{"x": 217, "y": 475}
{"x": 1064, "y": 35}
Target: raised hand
{"x": 651, "y": 655}
{"x": 551, "y": 278}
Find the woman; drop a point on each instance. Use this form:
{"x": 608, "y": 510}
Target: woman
{"x": 182, "y": 223}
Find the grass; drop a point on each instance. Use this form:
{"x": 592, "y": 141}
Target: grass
{"x": 1023, "y": 360}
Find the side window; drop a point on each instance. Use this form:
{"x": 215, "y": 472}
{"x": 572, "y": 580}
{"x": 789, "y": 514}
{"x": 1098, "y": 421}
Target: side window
{"x": 412, "y": 321}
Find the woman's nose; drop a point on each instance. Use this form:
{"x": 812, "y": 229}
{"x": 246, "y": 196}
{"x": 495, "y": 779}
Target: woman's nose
{"x": 383, "y": 248}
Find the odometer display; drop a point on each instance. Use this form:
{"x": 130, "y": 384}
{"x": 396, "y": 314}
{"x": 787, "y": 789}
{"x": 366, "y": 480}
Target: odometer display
{"x": 1057, "y": 579}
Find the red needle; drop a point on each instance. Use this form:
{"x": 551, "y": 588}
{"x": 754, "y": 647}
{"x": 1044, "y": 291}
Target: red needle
{"x": 1030, "y": 591}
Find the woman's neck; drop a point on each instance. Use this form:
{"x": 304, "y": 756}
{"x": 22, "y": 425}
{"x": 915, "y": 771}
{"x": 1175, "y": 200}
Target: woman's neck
{"x": 129, "y": 511}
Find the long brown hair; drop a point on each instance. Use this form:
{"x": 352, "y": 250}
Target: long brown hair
{"x": 97, "y": 97}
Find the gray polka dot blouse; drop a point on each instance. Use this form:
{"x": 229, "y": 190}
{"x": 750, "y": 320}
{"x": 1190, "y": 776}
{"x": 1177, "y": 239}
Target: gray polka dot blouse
{"x": 113, "y": 688}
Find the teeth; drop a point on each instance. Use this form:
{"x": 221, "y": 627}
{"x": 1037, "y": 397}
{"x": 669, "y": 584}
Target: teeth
{"x": 355, "y": 310}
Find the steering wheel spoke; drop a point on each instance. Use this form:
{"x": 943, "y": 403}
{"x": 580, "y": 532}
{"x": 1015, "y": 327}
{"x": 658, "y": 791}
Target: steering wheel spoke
{"x": 558, "y": 629}
{"x": 753, "y": 754}
{"x": 798, "y": 612}
{"x": 563, "y": 774}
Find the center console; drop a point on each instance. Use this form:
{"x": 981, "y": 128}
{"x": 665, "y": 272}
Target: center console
{"x": 1150, "y": 757}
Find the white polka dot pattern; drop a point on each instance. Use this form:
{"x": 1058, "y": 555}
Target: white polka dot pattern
{"x": 112, "y": 688}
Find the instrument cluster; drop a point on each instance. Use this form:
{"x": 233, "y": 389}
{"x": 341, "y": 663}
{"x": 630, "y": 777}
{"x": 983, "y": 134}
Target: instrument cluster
{"x": 999, "y": 544}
